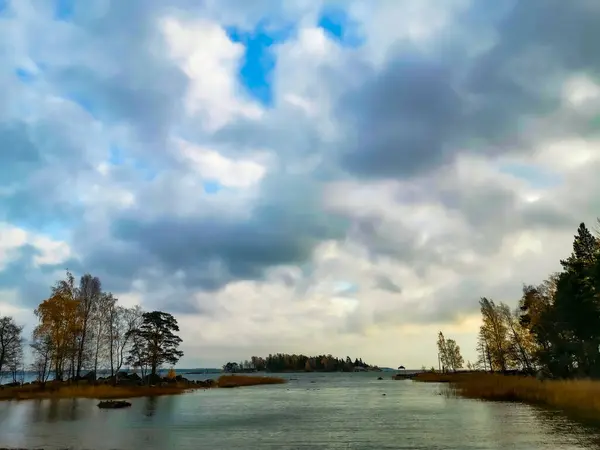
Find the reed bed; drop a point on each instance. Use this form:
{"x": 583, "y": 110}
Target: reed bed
{"x": 246, "y": 380}
{"x": 581, "y": 397}
{"x": 105, "y": 392}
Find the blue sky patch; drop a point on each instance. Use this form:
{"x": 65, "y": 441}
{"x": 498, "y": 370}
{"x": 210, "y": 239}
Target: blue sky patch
{"x": 63, "y": 9}
{"x": 344, "y": 288}
{"x": 24, "y": 75}
{"x": 212, "y": 187}
{"x": 147, "y": 172}
{"x": 115, "y": 156}
{"x": 259, "y": 59}
{"x": 82, "y": 101}
{"x": 336, "y": 23}
{"x": 536, "y": 176}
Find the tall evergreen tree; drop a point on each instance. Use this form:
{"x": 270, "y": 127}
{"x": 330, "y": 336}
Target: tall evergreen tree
{"x": 156, "y": 342}
{"x": 577, "y": 305}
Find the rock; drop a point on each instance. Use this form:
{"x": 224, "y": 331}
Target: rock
{"x": 379, "y": 378}
{"x": 206, "y": 383}
{"x": 90, "y": 376}
{"x": 152, "y": 379}
{"x": 114, "y": 404}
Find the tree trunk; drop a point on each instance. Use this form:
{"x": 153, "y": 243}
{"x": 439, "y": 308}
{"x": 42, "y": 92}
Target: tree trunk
{"x": 111, "y": 343}
{"x": 81, "y": 348}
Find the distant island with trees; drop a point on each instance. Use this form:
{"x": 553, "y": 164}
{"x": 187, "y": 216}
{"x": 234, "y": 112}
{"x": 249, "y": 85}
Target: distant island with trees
{"x": 283, "y": 362}
{"x": 83, "y": 332}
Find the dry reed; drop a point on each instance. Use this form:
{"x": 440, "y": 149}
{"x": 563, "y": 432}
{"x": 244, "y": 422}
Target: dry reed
{"x": 106, "y": 391}
{"x": 246, "y": 380}
{"x": 580, "y": 397}
{"x": 86, "y": 391}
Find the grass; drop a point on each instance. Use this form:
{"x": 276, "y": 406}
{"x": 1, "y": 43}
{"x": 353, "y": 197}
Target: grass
{"x": 109, "y": 392}
{"x": 226, "y": 381}
{"x": 86, "y": 391}
{"x": 439, "y": 377}
{"x": 578, "y": 397}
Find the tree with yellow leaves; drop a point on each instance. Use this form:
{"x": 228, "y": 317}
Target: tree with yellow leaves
{"x": 60, "y": 323}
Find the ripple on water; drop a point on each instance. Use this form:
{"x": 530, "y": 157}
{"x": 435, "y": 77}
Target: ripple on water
{"x": 326, "y": 411}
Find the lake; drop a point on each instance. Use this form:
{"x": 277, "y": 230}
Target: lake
{"x": 323, "y": 411}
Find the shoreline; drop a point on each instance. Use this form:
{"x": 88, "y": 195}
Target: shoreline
{"x": 576, "y": 397}
{"x": 66, "y": 390}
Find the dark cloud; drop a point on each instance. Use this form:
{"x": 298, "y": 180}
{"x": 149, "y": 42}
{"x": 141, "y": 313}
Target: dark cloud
{"x": 400, "y": 120}
{"x": 213, "y": 252}
{"x": 403, "y": 120}
{"x": 32, "y": 281}
{"x": 419, "y": 112}
{"x": 385, "y": 283}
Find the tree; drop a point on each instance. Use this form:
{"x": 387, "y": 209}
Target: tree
{"x": 484, "y": 360}
{"x": 231, "y": 367}
{"x": 520, "y": 342}
{"x": 443, "y": 356}
{"x": 122, "y": 324}
{"x": 495, "y": 334}
{"x": 59, "y": 321}
{"x": 11, "y": 344}
{"x": 557, "y": 324}
{"x": 42, "y": 349}
{"x": 138, "y": 356}
{"x": 449, "y": 354}
{"x": 102, "y": 328}
{"x": 454, "y": 358}
{"x": 158, "y": 344}
{"x": 88, "y": 294}
{"x": 577, "y": 304}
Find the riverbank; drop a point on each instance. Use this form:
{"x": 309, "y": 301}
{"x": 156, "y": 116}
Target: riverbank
{"x": 579, "y": 397}
{"x": 108, "y": 391}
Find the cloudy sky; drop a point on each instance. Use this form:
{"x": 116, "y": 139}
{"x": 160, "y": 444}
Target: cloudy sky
{"x": 314, "y": 176}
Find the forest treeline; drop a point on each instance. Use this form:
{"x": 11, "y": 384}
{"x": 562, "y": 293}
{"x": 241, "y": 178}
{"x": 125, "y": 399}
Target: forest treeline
{"x": 283, "y": 362}
{"x": 82, "y": 329}
{"x": 555, "y": 326}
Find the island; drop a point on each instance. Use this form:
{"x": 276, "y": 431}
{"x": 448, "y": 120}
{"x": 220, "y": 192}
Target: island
{"x": 83, "y": 332}
{"x": 284, "y": 362}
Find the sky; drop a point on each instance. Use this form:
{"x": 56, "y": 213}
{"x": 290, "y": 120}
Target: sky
{"x": 301, "y": 176}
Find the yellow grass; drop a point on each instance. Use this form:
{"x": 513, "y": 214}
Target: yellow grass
{"x": 580, "y": 397}
{"x": 439, "y": 377}
{"x": 86, "y": 391}
{"x": 105, "y": 391}
{"x": 246, "y": 380}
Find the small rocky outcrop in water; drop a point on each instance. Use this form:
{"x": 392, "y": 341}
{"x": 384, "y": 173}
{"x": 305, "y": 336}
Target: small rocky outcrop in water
{"x": 114, "y": 404}
{"x": 206, "y": 383}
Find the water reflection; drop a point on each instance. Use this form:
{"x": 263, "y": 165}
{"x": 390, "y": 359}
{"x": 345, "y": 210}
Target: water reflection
{"x": 150, "y": 406}
{"x": 585, "y": 433}
{"x": 56, "y": 410}
{"x": 348, "y": 411}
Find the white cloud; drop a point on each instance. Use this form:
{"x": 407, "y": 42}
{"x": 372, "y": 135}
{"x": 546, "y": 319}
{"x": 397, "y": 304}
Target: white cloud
{"x": 421, "y": 247}
{"x": 579, "y": 90}
{"x": 211, "y": 165}
{"x": 50, "y": 251}
{"x": 210, "y": 60}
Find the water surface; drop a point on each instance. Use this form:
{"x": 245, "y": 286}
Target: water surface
{"x": 324, "y": 411}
